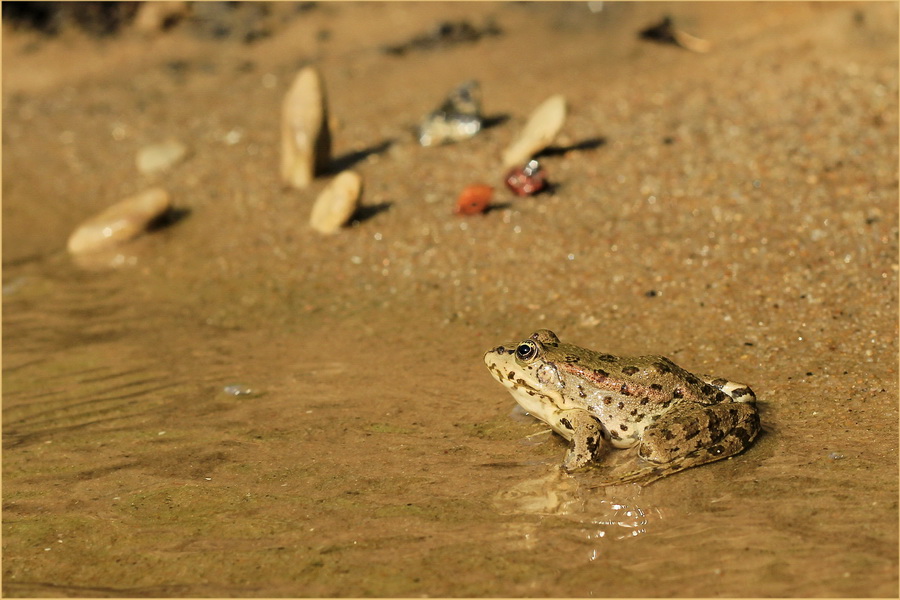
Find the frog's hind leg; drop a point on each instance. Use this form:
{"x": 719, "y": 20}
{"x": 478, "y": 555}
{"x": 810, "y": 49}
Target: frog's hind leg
{"x": 691, "y": 436}
{"x": 739, "y": 392}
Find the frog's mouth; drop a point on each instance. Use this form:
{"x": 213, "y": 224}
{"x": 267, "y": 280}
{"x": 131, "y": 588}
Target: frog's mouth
{"x": 534, "y": 401}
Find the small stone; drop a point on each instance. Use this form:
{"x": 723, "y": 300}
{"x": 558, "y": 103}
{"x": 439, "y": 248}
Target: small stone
{"x": 120, "y": 222}
{"x": 458, "y": 118}
{"x": 238, "y": 390}
{"x": 527, "y": 180}
{"x": 158, "y": 157}
{"x": 337, "y": 203}
{"x": 305, "y": 135}
{"x": 543, "y": 125}
{"x": 474, "y": 199}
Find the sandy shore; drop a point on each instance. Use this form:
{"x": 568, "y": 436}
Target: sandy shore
{"x": 735, "y": 210}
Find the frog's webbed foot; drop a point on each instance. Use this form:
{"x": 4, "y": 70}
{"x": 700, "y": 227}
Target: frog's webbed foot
{"x": 587, "y": 440}
{"x": 643, "y": 475}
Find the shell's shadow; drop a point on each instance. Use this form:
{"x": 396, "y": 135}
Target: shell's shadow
{"x": 168, "y": 219}
{"x": 344, "y": 162}
{"x": 366, "y": 212}
{"x": 588, "y": 144}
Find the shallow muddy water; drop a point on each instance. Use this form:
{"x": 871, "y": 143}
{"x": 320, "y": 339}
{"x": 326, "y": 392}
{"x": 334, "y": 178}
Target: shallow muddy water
{"x": 243, "y": 407}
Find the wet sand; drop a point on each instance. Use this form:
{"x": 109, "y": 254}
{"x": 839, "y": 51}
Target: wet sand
{"x": 736, "y": 211}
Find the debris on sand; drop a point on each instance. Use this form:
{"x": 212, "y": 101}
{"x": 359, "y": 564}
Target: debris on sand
{"x": 542, "y": 126}
{"x": 120, "y": 222}
{"x": 159, "y": 157}
{"x": 474, "y": 199}
{"x": 527, "y": 180}
{"x": 444, "y": 34}
{"x": 305, "y": 137}
{"x": 336, "y": 204}
{"x": 665, "y": 32}
{"x": 458, "y": 118}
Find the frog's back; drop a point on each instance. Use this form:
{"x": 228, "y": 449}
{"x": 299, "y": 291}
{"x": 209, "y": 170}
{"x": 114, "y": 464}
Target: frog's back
{"x": 653, "y": 379}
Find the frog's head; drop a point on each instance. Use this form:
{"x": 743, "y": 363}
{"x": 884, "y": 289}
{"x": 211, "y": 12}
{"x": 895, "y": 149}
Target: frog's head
{"x": 529, "y": 370}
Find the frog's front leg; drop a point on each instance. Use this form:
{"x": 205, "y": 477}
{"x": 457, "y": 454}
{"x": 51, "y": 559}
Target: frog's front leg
{"x": 586, "y": 438}
{"x": 694, "y": 434}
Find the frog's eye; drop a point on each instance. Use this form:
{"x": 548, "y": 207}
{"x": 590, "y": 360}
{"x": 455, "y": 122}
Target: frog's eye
{"x": 526, "y": 350}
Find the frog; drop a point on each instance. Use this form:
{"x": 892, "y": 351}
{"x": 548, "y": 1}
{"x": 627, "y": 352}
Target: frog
{"x": 599, "y": 402}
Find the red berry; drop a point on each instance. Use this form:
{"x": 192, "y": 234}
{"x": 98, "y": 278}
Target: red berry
{"x": 474, "y": 199}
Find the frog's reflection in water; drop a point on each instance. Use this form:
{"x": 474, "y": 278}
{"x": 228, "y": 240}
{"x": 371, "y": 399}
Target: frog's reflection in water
{"x": 564, "y": 504}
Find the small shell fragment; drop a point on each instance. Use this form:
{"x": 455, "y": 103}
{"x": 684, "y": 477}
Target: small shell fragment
{"x": 305, "y": 136}
{"x": 527, "y": 180}
{"x": 458, "y": 118}
{"x": 120, "y": 222}
{"x": 543, "y": 125}
{"x": 474, "y": 199}
{"x": 159, "y": 157}
{"x": 337, "y": 203}
{"x": 238, "y": 389}
{"x": 666, "y": 32}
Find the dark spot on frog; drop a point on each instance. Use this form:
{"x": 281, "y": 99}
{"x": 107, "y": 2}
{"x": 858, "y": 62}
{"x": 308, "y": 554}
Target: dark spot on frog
{"x": 719, "y": 382}
{"x": 623, "y": 427}
{"x": 630, "y": 370}
{"x": 742, "y": 434}
{"x": 678, "y": 393}
{"x": 620, "y": 405}
{"x": 640, "y": 417}
{"x": 744, "y": 391}
{"x": 624, "y": 390}
{"x": 565, "y": 423}
{"x": 570, "y": 358}
{"x": 614, "y": 434}
{"x": 581, "y": 392}
{"x": 633, "y": 412}
{"x": 607, "y": 400}
{"x": 511, "y": 375}
{"x": 715, "y": 450}
{"x": 645, "y": 400}
{"x": 655, "y": 387}
{"x": 601, "y": 373}
{"x": 662, "y": 367}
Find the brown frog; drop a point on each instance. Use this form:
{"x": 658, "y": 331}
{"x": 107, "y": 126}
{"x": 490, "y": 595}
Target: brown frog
{"x": 596, "y": 400}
